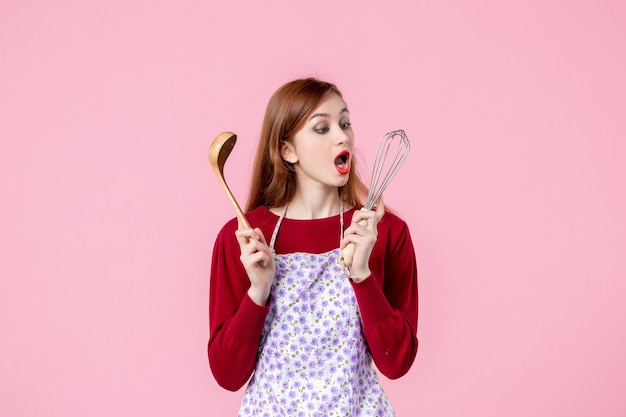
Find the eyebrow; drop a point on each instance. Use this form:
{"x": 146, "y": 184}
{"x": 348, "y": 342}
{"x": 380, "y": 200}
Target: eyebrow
{"x": 344, "y": 110}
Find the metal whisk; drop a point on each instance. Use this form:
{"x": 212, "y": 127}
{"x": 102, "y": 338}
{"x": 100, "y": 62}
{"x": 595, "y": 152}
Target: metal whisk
{"x": 385, "y": 170}
{"x": 386, "y": 167}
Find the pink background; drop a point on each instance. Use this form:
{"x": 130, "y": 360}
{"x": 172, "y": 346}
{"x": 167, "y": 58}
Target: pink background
{"x": 514, "y": 192}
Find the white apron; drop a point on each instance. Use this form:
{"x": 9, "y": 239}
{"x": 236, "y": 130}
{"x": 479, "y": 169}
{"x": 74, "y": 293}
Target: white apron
{"x": 313, "y": 359}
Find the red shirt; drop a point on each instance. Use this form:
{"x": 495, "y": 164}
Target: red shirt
{"x": 387, "y": 298}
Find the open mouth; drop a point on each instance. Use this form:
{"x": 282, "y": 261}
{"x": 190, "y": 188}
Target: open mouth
{"x": 342, "y": 162}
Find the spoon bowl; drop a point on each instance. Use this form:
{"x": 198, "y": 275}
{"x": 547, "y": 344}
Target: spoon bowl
{"x": 220, "y": 149}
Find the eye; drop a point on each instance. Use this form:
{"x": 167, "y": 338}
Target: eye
{"x": 321, "y": 129}
{"x": 346, "y": 125}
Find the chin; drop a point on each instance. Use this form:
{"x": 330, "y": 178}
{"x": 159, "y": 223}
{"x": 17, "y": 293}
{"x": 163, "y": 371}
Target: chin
{"x": 343, "y": 183}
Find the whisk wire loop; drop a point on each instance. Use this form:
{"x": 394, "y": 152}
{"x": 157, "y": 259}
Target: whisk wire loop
{"x": 385, "y": 170}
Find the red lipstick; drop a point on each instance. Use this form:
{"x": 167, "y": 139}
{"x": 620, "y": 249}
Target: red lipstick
{"x": 342, "y": 162}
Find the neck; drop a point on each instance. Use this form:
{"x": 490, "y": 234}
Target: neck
{"x": 313, "y": 204}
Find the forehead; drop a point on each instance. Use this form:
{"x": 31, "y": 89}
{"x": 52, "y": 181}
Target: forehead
{"x": 331, "y": 105}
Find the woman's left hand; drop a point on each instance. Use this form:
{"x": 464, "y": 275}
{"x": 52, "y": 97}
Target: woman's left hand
{"x": 364, "y": 237}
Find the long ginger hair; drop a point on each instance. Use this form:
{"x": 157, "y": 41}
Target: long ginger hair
{"x": 273, "y": 182}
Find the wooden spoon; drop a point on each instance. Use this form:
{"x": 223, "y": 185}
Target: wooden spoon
{"x": 218, "y": 153}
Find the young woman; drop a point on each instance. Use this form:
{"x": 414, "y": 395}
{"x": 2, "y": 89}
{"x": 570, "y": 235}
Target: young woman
{"x": 282, "y": 308}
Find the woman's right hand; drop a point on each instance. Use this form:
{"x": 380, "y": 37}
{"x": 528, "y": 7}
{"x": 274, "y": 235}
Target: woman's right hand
{"x": 258, "y": 260}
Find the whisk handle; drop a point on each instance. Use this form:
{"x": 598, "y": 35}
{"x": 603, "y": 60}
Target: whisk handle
{"x": 348, "y": 252}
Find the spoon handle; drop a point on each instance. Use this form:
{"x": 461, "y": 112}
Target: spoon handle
{"x": 242, "y": 218}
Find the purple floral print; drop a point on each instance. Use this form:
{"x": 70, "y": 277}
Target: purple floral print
{"x": 313, "y": 359}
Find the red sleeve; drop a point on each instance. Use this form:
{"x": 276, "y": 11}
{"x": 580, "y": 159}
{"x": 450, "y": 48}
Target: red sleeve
{"x": 388, "y": 300}
{"x": 236, "y": 321}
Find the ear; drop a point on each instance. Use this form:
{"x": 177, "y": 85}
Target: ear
{"x": 288, "y": 152}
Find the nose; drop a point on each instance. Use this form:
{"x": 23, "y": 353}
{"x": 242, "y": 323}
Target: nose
{"x": 342, "y": 137}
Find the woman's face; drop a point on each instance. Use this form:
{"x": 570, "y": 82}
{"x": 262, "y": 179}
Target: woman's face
{"x": 321, "y": 151}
